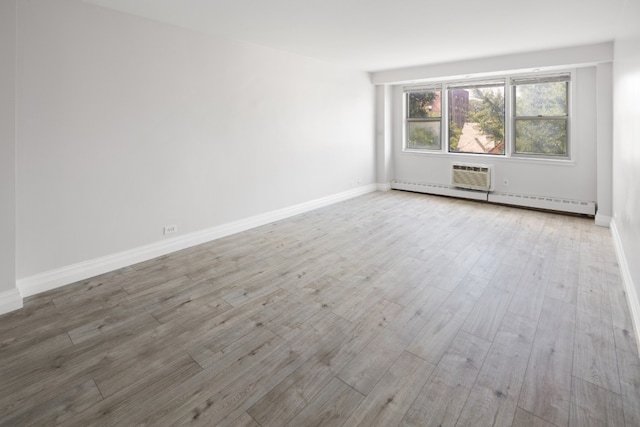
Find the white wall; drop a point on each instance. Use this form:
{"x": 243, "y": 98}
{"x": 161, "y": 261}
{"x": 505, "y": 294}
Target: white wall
{"x": 569, "y": 180}
{"x": 384, "y": 147}
{"x": 604, "y": 151}
{"x": 626, "y": 149}
{"x": 126, "y": 125}
{"x": 553, "y": 58}
{"x": 9, "y": 297}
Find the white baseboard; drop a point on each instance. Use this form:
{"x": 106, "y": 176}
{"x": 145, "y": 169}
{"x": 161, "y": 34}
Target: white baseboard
{"x": 629, "y": 287}
{"x": 10, "y": 300}
{"x": 603, "y": 220}
{"x": 384, "y": 186}
{"x": 83, "y": 270}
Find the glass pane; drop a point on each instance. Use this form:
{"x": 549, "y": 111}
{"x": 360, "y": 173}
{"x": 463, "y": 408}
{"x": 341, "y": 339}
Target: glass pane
{"x": 547, "y": 137}
{"x": 476, "y": 120}
{"x": 422, "y": 105}
{"x": 423, "y": 135}
{"x": 542, "y": 99}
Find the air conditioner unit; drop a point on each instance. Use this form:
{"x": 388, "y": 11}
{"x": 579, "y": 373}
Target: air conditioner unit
{"x": 474, "y": 177}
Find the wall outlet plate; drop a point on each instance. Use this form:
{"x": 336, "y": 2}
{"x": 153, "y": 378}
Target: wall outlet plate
{"x": 170, "y": 229}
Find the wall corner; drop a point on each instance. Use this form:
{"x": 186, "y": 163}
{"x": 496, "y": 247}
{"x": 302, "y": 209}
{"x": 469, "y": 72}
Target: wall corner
{"x": 10, "y": 300}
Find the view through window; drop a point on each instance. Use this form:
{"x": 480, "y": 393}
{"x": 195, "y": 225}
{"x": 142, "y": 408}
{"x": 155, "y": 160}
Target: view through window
{"x": 475, "y": 116}
{"x": 424, "y": 119}
{"x": 541, "y": 116}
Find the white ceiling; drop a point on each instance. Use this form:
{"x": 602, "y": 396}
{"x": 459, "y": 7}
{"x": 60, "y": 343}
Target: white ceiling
{"x": 376, "y": 35}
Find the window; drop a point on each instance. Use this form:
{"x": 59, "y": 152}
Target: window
{"x": 424, "y": 119}
{"x": 470, "y": 117}
{"x": 541, "y": 115}
{"x": 476, "y": 117}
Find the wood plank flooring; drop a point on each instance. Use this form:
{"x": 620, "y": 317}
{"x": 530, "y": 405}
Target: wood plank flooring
{"x": 391, "y": 309}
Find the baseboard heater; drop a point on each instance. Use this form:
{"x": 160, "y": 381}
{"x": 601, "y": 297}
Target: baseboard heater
{"x": 542, "y": 202}
{"x": 438, "y": 189}
{"x": 530, "y": 201}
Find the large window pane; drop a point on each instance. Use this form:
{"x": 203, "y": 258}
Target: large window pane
{"x": 424, "y": 104}
{"x": 423, "y": 135}
{"x": 541, "y": 116}
{"x": 546, "y": 137}
{"x": 541, "y": 99}
{"x": 476, "y": 120}
{"x": 424, "y": 120}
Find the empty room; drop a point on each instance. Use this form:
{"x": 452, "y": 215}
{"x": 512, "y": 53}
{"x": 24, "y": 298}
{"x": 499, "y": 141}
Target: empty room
{"x": 292, "y": 213}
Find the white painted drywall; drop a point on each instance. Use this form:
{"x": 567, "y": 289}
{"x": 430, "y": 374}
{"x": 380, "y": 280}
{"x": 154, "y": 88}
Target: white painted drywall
{"x": 362, "y": 35}
{"x": 626, "y": 141}
{"x": 126, "y": 125}
{"x": 549, "y": 59}
{"x": 570, "y": 180}
{"x": 604, "y": 152}
{"x": 384, "y": 98}
{"x": 7, "y": 145}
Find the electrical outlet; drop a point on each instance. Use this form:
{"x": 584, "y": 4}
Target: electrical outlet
{"x": 170, "y": 229}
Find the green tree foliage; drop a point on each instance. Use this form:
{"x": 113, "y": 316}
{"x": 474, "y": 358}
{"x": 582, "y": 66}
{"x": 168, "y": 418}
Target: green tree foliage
{"x": 419, "y": 103}
{"x": 542, "y": 136}
{"x": 424, "y": 135}
{"x": 487, "y": 110}
{"x": 454, "y": 136}
{"x": 542, "y": 99}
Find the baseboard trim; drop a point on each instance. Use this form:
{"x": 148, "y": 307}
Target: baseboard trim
{"x": 83, "y": 270}
{"x": 384, "y": 186}
{"x": 10, "y": 301}
{"x": 603, "y": 220}
{"x": 627, "y": 281}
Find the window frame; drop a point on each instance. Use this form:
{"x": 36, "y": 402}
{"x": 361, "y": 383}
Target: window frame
{"x": 549, "y": 78}
{"x": 421, "y": 89}
{"x": 478, "y": 84}
{"x": 509, "y": 121}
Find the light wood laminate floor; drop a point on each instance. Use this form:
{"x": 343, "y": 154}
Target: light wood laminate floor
{"x": 391, "y": 309}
